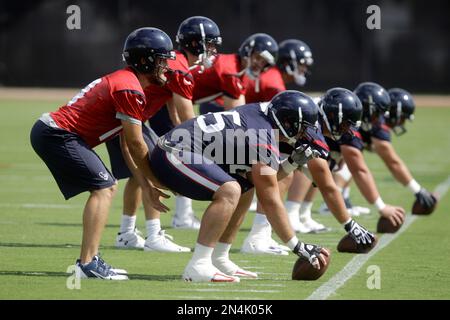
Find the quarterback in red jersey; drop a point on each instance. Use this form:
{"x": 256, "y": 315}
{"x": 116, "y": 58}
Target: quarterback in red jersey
{"x": 65, "y": 140}
{"x": 225, "y": 80}
{"x": 198, "y": 38}
{"x": 176, "y": 91}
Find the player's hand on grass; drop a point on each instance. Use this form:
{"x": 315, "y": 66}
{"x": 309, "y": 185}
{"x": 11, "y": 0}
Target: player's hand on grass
{"x": 360, "y": 234}
{"x": 425, "y": 198}
{"x": 395, "y": 214}
{"x": 312, "y": 253}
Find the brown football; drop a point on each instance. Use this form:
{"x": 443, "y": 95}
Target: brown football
{"x": 303, "y": 270}
{"x": 421, "y": 210}
{"x": 385, "y": 225}
{"x": 348, "y": 244}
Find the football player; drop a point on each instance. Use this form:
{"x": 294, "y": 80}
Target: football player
{"x": 375, "y": 132}
{"x": 198, "y": 39}
{"x": 190, "y": 160}
{"x": 176, "y": 92}
{"x": 110, "y": 105}
{"x": 294, "y": 59}
{"x": 223, "y": 86}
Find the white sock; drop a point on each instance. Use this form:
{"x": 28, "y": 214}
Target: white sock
{"x": 305, "y": 210}
{"x": 128, "y": 223}
{"x": 346, "y": 192}
{"x": 292, "y": 207}
{"x": 202, "y": 252}
{"x": 414, "y": 186}
{"x": 221, "y": 251}
{"x": 183, "y": 207}
{"x": 153, "y": 227}
{"x": 260, "y": 224}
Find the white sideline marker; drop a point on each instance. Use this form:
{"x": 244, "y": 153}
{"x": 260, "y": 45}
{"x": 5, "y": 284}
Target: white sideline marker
{"x": 353, "y": 266}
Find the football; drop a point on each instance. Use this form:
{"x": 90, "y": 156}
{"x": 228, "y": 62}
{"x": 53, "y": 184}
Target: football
{"x": 385, "y": 225}
{"x": 418, "y": 209}
{"x": 348, "y": 244}
{"x": 303, "y": 270}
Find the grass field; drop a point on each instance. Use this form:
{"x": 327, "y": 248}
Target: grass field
{"x": 40, "y": 233}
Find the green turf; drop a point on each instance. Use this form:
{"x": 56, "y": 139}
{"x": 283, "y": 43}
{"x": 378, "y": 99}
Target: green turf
{"x": 37, "y": 244}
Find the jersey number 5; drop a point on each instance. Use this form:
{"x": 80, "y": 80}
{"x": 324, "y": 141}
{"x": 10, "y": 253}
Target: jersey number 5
{"x": 220, "y": 124}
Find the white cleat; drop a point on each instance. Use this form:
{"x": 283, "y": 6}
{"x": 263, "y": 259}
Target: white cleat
{"x": 206, "y": 272}
{"x": 162, "y": 243}
{"x": 323, "y": 209}
{"x": 230, "y": 268}
{"x": 188, "y": 221}
{"x": 297, "y": 226}
{"x": 362, "y": 210}
{"x": 130, "y": 240}
{"x": 315, "y": 227}
{"x": 261, "y": 245}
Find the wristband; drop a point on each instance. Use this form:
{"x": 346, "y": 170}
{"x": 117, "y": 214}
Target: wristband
{"x": 289, "y": 166}
{"x": 379, "y": 203}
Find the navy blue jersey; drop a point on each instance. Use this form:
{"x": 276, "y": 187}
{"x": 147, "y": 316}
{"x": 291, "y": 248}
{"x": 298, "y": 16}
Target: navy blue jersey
{"x": 379, "y": 130}
{"x": 233, "y": 139}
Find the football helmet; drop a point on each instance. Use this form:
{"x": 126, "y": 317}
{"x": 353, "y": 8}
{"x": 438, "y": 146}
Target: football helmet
{"x": 146, "y": 50}
{"x": 375, "y": 102}
{"x": 294, "y": 58}
{"x": 402, "y": 108}
{"x": 340, "y": 109}
{"x": 200, "y": 36}
{"x": 292, "y": 112}
{"x": 266, "y": 49}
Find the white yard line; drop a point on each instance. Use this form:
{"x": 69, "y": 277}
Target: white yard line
{"x": 38, "y": 205}
{"x": 352, "y": 267}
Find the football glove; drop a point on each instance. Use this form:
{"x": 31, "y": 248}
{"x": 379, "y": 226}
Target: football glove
{"x": 425, "y": 198}
{"x": 310, "y": 252}
{"x": 302, "y": 154}
{"x": 359, "y": 233}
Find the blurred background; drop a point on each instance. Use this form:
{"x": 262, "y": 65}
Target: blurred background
{"x": 411, "y": 50}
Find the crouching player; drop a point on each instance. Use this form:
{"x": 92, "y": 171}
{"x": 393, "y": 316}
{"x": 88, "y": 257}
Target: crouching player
{"x": 65, "y": 139}
{"x": 375, "y": 132}
{"x": 219, "y": 157}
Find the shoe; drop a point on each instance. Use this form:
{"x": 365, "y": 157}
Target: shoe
{"x": 206, "y": 272}
{"x": 189, "y": 221}
{"x": 362, "y": 210}
{"x": 99, "y": 269}
{"x": 257, "y": 244}
{"x": 162, "y": 243}
{"x": 230, "y": 268}
{"x": 314, "y": 226}
{"x": 130, "y": 240}
{"x": 297, "y": 226}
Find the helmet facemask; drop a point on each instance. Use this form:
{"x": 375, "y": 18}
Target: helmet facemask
{"x": 208, "y": 51}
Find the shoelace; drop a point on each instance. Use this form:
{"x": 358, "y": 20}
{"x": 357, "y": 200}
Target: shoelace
{"x": 163, "y": 234}
{"x": 103, "y": 264}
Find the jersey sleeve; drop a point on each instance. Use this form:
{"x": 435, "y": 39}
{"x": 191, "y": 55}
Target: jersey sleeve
{"x": 129, "y": 105}
{"x": 315, "y": 139}
{"x": 352, "y": 139}
{"x": 232, "y": 85}
{"x": 381, "y": 131}
{"x": 182, "y": 84}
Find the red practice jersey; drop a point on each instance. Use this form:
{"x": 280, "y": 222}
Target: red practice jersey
{"x": 220, "y": 79}
{"x": 270, "y": 83}
{"x": 179, "y": 81}
{"x": 95, "y": 113}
